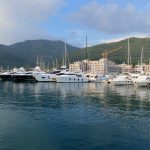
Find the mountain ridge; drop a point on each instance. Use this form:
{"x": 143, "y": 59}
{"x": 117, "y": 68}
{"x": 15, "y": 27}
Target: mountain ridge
{"x": 25, "y": 53}
{"x": 95, "y": 52}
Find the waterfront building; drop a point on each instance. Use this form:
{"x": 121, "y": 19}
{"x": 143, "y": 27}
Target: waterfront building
{"x": 126, "y": 68}
{"x": 102, "y": 66}
{"x": 144, "y": 68}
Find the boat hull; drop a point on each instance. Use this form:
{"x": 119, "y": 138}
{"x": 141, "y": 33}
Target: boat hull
{"x": 123, "y": 83}
{"x": 71, "y": 80}
{"x": 45, "y": 77}
{"x": 143, "y": 84}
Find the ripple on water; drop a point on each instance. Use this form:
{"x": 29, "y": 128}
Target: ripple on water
{"x": 73, "y": 116}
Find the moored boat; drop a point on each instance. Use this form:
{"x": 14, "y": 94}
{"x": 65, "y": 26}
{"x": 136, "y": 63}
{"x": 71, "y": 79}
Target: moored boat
{"x": 143, "y": 80}
{"x": 122, "y": 80}
{"x": 73, "y": 78}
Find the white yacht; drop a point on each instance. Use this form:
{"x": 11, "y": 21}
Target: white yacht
{"x": 99, "y": 78}
{"x": 49, "y": 77}
{"x": 37, "y": 70}
{"x": 134, "y": 76}
{"x": 45, "y": 77}
{"x": 23, "y": 75}
{"x": 123, "y": 80}
{"x": 73, "y": 78}
{"x": 143, "y": 80}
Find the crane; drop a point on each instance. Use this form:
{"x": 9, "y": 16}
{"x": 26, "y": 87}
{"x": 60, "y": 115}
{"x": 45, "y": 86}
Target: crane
{"x": 105, "y": 54}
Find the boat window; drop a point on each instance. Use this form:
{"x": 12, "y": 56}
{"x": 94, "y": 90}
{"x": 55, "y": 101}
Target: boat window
{"x": 78, "y": 75}
{"x": 43, "y": 77}
{"x": 60, "y": 73}
{"x": 55, "y": 72}
{"x": 70, "y": 74}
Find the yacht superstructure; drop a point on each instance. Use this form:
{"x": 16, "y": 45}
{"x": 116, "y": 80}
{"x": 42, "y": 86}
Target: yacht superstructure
{"x": 143, "y": 80}
{"x": 122, "y": 80}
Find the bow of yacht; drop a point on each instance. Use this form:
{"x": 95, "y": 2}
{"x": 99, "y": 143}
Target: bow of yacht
{"x": 143, "y": 80}
{"x": 123, "y": 80}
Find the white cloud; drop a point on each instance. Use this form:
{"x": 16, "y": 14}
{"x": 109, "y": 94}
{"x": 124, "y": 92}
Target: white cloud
{"x": 112, "y": 19}
{"x": 22, "y": 19}
{"x": 124, "y": 37}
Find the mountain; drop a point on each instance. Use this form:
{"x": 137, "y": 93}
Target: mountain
{"x": 25, "y": 53}
{"x": 95, "y": 52}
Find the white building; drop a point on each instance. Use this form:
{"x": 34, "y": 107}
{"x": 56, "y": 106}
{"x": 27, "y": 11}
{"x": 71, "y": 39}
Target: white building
{"x": 102, "y": 66}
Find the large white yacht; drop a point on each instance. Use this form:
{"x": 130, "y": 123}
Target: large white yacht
{"x": 49, "y": 77}
{"x": 99, "y": 78}
{"x": 73, "y": 78}
{"x": 143, "y": 80}
{"x": 122, "y": 80}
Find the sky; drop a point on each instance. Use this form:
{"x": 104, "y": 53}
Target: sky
{"x": 102, "y": 21}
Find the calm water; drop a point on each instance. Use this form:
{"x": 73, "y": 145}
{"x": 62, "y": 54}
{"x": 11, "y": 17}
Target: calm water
{"x": 50, "y": 116}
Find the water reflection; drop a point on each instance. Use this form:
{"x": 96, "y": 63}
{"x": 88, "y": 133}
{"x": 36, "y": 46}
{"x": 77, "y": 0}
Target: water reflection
{"x": 59, "y": 94}
{"x": 73, "y": 116}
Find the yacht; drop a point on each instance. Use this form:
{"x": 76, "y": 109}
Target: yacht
{"x": 143, "y": 80}
{"x": 122, "y": 80}
{"x": 73, "y": 78}
{"x": 22, "y": 75}
{"x": 99, "y": 78}
{"x": 36, "y": 70}
{"x": 7, "y": 76}
{"x": 49, "y": 77}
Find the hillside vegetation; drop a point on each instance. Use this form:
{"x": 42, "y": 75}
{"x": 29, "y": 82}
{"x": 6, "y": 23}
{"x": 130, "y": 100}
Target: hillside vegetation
{"x": 95, "y": 52}
{"x": 25, "y": 53}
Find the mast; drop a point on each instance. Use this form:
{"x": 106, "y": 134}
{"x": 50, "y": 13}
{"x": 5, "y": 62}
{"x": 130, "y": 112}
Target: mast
{"x": 56, "y": 63}
{"x": 53, "y": 64}
{"x": 37, "y": 61}
{"x": 86, "y": 65}
{"x": 65, "y": 63}
{"x": 142, "y": 56}
{"x": 86, "y": 48}
{"x": 129, "y": 57}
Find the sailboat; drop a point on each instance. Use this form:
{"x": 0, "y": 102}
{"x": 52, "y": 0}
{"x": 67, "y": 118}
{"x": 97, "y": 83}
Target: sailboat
{"x": 124, "y": 79}
{"x": 51, "y": 77}
{"x": 142, "y": 80}
{"x": 74, "y": 77}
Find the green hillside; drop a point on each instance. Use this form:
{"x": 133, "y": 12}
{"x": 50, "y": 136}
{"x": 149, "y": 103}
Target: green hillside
{"x": 25, "y": 53}
{"x": 95, "y": 52}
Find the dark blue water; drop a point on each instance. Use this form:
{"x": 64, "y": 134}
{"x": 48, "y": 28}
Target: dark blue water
{"x": 50, "y": 116}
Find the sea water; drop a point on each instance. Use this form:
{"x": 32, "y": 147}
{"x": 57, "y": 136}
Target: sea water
{"x": 70, "y": 116}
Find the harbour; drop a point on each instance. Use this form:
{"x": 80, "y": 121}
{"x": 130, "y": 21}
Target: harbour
{"x": 73, "y": 116}
{"x": 74, "y": 75}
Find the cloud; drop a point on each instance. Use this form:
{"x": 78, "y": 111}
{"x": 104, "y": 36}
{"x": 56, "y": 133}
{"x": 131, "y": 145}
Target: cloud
{"x": 23, "y": 19}
{"x": 76, "y": 33}
{"x": 112, "y": 19}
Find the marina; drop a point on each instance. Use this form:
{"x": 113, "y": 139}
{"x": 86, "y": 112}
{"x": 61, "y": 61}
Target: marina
{"x": 73, "y": 116}
{"x": 74, "y": 75}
